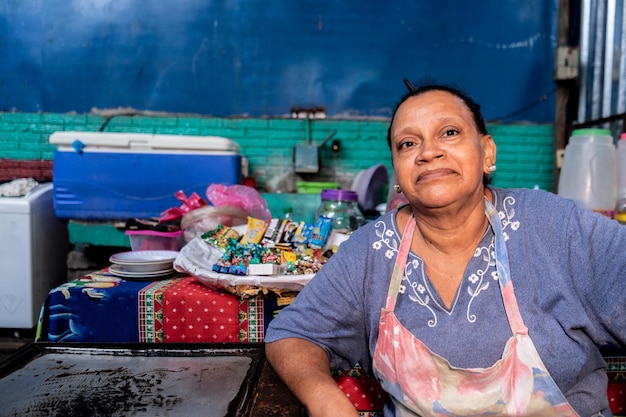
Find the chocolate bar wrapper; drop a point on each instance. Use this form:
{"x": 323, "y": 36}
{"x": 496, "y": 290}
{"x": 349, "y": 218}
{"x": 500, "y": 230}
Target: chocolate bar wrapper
{"x": 255, "y": 231}
{"x": 272, "y": 233}
{"x": 287, "y": 233}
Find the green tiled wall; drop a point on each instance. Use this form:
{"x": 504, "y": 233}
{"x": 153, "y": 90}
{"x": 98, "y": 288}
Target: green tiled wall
{"x": 525, "y": 152}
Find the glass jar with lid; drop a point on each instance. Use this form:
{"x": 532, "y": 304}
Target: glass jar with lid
{"x": 342, "y": 207}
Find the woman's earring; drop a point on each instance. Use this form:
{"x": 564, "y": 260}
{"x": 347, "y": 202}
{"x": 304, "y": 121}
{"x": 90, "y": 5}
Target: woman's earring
{"x": 492, "y": 167}
{"x": 397, "y": 188}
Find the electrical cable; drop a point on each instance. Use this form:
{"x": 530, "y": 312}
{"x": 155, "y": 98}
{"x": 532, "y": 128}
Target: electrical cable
{"x": 523, "y": 109}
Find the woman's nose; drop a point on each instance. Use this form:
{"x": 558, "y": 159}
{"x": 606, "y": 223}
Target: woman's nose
{"x": 430, "y": 149}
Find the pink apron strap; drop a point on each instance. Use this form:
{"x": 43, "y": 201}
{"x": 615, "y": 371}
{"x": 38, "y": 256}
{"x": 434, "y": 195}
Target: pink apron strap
{"x": 400, "y": 265}
{"x": 504, "y": 272}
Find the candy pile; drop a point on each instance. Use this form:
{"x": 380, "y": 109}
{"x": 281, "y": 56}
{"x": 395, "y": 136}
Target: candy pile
{"x": 277, "y": 247}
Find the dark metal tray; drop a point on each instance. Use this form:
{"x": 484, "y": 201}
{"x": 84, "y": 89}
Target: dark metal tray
{"x": 67, "y": 379}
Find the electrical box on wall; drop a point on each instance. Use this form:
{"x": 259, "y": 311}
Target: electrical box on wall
{"x": 306, "y": 159}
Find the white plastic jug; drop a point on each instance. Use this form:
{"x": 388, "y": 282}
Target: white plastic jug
{"x": 589, "y": 171}
{"x": 621, "y": 179}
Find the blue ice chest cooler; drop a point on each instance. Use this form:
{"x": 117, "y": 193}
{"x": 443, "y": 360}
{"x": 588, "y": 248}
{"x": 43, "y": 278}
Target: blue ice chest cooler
{"x": 116, "y": 176}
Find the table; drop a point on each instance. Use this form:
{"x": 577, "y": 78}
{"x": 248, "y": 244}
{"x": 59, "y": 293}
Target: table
{"x": 101, "y": 307}
{"x": 174, "y": 379}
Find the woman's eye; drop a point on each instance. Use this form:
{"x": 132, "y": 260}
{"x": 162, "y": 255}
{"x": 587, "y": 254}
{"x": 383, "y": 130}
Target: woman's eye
{"x": 405, "y": 144}
{"x": 450, "y": 132}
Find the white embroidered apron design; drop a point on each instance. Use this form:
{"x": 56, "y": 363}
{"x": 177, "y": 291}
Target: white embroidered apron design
{"x": 421, "y": 383}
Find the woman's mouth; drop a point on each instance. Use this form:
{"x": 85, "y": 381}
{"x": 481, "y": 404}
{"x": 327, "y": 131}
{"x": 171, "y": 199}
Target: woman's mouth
{"x": 434, "y": 174}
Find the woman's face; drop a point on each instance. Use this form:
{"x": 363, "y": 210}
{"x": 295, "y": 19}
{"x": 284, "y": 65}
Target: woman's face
{"x": 439, "y": 157}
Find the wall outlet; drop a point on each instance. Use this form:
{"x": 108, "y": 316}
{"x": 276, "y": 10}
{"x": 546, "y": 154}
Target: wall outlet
{"x": 566, "y": 63}
{"x": 558, "y": 160}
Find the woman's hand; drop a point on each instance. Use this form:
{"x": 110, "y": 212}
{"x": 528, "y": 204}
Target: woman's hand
{"x": 305, "y": 369}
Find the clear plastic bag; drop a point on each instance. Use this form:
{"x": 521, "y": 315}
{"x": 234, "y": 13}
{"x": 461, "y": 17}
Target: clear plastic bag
{"x": 206, "y": 218}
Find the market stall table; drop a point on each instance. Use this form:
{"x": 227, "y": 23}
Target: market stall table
{"x": 178, "y": 312}
{"x": 101, "y": 307}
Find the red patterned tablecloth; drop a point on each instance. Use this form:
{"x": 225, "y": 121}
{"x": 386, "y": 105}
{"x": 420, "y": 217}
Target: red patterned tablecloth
{"x": 185, "y": 310}
{"x": 616, "y": 367}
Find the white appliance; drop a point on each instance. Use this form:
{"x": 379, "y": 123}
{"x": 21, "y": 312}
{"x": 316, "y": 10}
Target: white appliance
{"x": 33, "y": 255}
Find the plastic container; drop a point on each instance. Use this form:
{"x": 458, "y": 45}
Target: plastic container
{"x": 621, "y": 176}
{"x": 154, "y": 240}
{"x": 589, "y": 171}
{"x": 308, "y": 187}
{"x": 370, "y": 185}
{"x": 342, "y": 206}
{"x": 119, "y": 175}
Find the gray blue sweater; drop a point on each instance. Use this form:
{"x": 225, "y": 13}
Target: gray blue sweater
{"x": 568, "y": 267}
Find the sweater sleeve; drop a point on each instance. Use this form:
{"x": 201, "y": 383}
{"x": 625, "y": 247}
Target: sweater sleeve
{"x": 597, "y": 258}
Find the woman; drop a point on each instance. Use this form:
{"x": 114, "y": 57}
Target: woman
{"x": 470, "y": 300}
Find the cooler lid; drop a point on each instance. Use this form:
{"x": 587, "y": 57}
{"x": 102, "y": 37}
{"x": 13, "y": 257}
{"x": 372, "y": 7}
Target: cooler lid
{"x": 143, "y": 141}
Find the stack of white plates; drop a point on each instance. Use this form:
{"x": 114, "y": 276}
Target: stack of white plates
{"x": 143, "y": 264}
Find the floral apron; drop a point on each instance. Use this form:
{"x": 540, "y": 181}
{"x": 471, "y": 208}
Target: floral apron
{"x": 421, "y": 383}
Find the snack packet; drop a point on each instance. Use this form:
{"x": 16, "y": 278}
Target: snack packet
{"x": 221, "y": 236}
{"x": 321, "y": 232}
{"x": 255, "y": 231}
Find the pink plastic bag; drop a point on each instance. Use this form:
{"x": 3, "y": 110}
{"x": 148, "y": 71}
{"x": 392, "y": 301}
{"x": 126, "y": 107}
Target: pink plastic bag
{"x": 240, "y": 196}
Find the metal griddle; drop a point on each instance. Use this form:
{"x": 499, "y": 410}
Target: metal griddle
{"x": 70, "y": 380}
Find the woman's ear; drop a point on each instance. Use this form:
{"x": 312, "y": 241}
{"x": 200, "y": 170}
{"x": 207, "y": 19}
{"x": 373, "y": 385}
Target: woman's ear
{"x": 489, "y": 147}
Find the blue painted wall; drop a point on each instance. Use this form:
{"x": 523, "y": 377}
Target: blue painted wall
{"x": 263, "y": 57}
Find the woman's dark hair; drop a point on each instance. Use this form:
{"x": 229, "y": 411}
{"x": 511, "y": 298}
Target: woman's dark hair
{"x": 473, "y": 107}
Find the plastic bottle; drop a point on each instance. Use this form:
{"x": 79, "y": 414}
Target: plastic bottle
{"x": 342, "y": 206}
{"x": 589, "y": 171}
{"x": 620, "y": 206}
